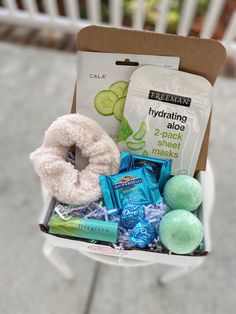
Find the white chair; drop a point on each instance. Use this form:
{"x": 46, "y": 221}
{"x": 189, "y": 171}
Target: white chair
{"x": 30, "y": 16}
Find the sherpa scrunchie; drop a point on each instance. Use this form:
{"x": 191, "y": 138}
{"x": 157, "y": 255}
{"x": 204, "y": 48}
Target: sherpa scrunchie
{"x": 60, "y": 177}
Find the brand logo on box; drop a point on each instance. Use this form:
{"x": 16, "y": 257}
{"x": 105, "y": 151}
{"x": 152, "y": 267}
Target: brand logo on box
{"x": 170, "y": 98}
{"x": 97, "y": 76}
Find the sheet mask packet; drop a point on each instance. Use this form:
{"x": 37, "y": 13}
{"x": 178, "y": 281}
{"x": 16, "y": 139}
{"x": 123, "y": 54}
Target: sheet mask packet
{"x": 138, "y": 186}
{"x": 102, "y": 84}
{"x": 160, "y": 167}
{"x": 165, "y": 116}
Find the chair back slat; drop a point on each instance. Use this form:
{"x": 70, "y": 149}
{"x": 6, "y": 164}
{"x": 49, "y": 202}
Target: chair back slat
{"x": 187, "y": 16}
{"x": 115, "y": 12}
{"x": 51, "y": 8}
{"x": 211, "y": 19}
{"x": 139, "y": 15}
{"x": 162, "y": 16}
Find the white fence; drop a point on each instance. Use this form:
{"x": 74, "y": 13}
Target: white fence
{"x": 30, "y": 16}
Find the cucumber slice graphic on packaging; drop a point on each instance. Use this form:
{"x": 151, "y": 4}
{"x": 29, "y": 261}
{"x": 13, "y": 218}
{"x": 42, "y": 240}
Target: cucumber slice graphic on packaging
{"x": 136, "y": 145}
{"x": 125, "y": 130}
{"x": 145, "y": 153}
{"x": 104, "y": 102}
{"x": 141, "y": 131}
{"x": 119, "y": 108}
{"x": 118, "y": 88}
{"x": 125, "y": 91}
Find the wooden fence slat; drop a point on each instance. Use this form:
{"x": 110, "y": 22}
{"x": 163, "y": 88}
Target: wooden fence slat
{"x": 116, "y": 13}
{"x": 21, "y": 17}
{"x": 11, "y": 6}
{"x": 94, "y": 11}
{"x": 30, "y": 16}
{"x": 51, "y": 8}
{"x": 214, "y": 10}
{"x": 162, "y": 16}
{"x": 230, "y": 32}
{"x": 31, "y": 7}
{"x": 72, "y": 10}
{"x": 139, "y": 14}
{"x": 187, "y": 17}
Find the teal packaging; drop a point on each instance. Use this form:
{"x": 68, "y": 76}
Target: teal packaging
{"x": 125, "y": 161}
{"x": 161, "y": 168}
{"x": 138, "y": 186}
{"x": 84, "y": 228}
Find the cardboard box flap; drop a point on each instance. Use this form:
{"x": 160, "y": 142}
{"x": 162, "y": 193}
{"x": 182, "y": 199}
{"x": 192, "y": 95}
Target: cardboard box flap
{"x": 199, "y": 56}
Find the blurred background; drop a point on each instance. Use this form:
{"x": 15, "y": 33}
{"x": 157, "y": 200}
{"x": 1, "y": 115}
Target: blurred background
{"x": 37, "y": 75}
{"x": 25, "y": 20}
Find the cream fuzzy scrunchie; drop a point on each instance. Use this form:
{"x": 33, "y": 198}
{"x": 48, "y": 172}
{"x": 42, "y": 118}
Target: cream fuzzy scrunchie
{"x": 60, "y": 177}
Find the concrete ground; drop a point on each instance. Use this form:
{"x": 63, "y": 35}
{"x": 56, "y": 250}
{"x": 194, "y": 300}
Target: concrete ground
{"x": 36, "y": 87}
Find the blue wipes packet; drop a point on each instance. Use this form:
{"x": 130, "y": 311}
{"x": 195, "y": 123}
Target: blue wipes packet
{"x": 138, "y": 186}
{"x": 131, "y": 214}
{"x": 142, "y": 234}
{"x": 161, "y": 168}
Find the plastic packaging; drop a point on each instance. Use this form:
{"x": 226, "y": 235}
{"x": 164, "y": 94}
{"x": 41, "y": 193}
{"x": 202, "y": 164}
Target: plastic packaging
{"x": 161, "y": 167}
{"x": 138, "y": 186}
{"x": 103, "y": 80}
{"x": 142, "y": 234}
{"x": 165, "y": 116}
{"x": 131, "y": 214}
{"x": 84, "y": 228}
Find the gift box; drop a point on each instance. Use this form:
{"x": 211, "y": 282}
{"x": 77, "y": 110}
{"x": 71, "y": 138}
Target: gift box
{"x": 203, "y": 57}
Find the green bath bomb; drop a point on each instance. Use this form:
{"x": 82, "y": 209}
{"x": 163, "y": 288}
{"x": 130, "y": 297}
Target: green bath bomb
{"x": 180, "y": 231}
{"x": 183, "y": 192}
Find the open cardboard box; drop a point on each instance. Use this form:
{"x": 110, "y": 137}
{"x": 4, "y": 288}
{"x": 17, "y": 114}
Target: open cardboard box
{"x": 203, "y": 57}
{"x": 108, "y": 254}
